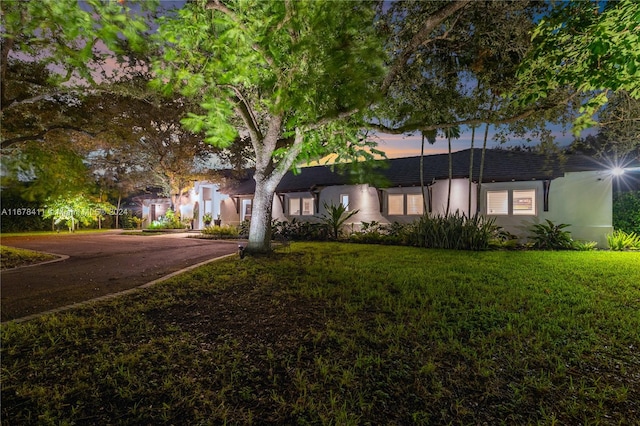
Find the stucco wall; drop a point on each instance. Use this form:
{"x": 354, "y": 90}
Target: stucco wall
{"x": 580, "y": 199}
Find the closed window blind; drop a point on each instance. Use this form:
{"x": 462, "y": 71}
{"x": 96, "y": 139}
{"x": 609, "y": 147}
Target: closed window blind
{"x": 415, "y": 204}
{"x": 307, "y": 206}
{"x": 294, "y": 206}
{"x": 396, "y": 204}
{"x": 497, "y": 202}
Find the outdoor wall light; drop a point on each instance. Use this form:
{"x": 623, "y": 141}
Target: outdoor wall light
{"x": 617, "y": 171}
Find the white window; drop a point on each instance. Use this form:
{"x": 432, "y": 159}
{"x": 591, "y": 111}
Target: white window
{"x": 396, "y": 204}
{"x": 246, "y": 209}
{"x": 307, "y": 206}
{"x": 498, "y": 202}
{"x": 294, "y": 206}
{"x": 344, "y": 200}
{"x": 524, "y": 202}
{"x": 415, "y": 204}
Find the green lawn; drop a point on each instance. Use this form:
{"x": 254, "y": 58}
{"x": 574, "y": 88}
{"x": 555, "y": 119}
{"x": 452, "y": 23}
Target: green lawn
{"x": 11, "y": 257}
{"x": 62, "y": 232}
{"x": 345, "y": 334}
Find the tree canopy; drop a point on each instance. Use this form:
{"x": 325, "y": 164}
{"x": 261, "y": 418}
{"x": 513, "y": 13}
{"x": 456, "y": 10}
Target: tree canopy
{"x": 292, "y": 76}
{"x": 589, "y": 47}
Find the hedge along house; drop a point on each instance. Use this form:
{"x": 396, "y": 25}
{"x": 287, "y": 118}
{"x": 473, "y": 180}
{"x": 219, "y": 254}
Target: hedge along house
{"x": 518, "y": 189}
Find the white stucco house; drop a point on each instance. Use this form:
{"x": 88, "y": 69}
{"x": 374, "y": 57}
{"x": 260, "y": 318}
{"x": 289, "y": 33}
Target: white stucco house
{"x": 203, "y": 198}
{"x": 519, "y": 189}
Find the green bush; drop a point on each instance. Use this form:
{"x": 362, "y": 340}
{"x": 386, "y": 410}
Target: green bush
{"x": 335, "y": 218}
{"x": 454, "y": 231}
{"x": 297, "y": 230}
{"x": 220, "y": 232}
{"x": 169, "y": 221}
{"x": 626, "y": 211}
{"x": 620, "y": 240}
{"x": 549, "y": 236}
{"x": 376, "y": 233}
{"x": 584, "y": 245}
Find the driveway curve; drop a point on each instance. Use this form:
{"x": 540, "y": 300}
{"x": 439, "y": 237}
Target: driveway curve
{"x": 98, "y": 265}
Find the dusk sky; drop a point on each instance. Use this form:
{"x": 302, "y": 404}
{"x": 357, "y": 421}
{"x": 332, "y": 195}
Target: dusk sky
{"x": 409, "y": 145}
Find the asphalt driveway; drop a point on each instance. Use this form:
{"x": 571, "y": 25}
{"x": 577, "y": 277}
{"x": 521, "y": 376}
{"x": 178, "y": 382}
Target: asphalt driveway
{"x": 98, "y": 265}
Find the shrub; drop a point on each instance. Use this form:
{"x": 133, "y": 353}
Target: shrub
{"x": 298, "y": 230}
{"x": 335, "y": 218}
{"x": 220, "y": 232}
{"x": 453, "y": 231}
{"x": 549, "y": 236}
{"x": 584, "y": 245}
{"x": 376, "y": 233}
{"x": 169, "y": 221}
{"x": 620, "y": 240}
{"x": 626, "y": 211}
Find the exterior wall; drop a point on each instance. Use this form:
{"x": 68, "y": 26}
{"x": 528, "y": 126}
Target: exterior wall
{"x": 459, "y": 197}
{"x": 361, "y": 197}
{"x": 159, "y": 206}
{"x": 208, "y": 199}
{"x": 580, "y": 199}
{"x": 585, "y": 201}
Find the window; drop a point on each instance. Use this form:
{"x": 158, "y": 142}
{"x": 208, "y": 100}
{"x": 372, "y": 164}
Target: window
{"x": 524, "y": 202}
{"x": 344, "y": 200}
{"x": 517, "y": 202}
{"x": 307, "y": 206}
{"x": 246, "y": 209}
{"x": 415, "y": 204}
{"x": 294, "y": 206}
{"x": 396, "y": 204}
{"x": 498, "y": 202}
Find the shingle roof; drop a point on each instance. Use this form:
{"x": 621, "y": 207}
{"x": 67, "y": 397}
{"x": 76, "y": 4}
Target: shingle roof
{"x": 500, "y": 166}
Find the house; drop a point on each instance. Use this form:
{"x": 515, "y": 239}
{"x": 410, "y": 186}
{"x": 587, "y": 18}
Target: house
{"x": 519, "y": 189}
{"x": 203, "y": 198}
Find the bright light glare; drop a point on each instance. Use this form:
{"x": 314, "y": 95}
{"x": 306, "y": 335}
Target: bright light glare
{"x": 618, "y": 171}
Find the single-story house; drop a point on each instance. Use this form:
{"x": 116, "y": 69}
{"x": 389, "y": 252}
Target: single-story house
{"x": 519, "y": 189}
{"x": 202, "y": 199}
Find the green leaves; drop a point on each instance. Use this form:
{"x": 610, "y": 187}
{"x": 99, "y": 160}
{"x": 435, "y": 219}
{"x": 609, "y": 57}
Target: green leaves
{"x": 588, "y": 50}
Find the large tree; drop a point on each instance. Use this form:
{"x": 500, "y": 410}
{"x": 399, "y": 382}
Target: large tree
{"x": 292, "y": 76}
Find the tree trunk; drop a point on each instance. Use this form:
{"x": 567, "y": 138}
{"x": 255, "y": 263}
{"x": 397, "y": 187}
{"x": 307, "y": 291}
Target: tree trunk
{"x": 484, "y": 150}
{"x": 261, "y": 210}
{"x": 424, "y": 199}
{"x": 118, "y": 210}
{"x": 450, "y": 177}
{"x": 473, "y": 136}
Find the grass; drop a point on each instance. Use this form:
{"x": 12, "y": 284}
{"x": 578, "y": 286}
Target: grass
{"x": 11, "y": 257}
{"x": 345, "y": 334}
{"x": 61, "y": 233}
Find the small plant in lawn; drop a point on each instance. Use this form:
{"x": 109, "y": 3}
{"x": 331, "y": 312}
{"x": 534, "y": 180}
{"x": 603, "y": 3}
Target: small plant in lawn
{"x": 584, "y": 245}
{"x": 620, "y": 240}
{"x": 549, "y": 236}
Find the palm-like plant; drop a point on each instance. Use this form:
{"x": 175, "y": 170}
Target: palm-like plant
{"x": 335, "y": 217}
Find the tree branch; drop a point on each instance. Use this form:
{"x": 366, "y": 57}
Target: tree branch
{"x": 414, "y": 126}
{"x": 421, "y": 38}
{"x": 39, "y": 137}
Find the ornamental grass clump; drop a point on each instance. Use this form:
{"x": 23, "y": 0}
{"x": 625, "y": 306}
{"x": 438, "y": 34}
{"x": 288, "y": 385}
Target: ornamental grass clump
{"x": 620, "y": 240}
{"x": 454, "y": 231}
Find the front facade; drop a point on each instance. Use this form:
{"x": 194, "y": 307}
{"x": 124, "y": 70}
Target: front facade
{"x": 518, "y": 189}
